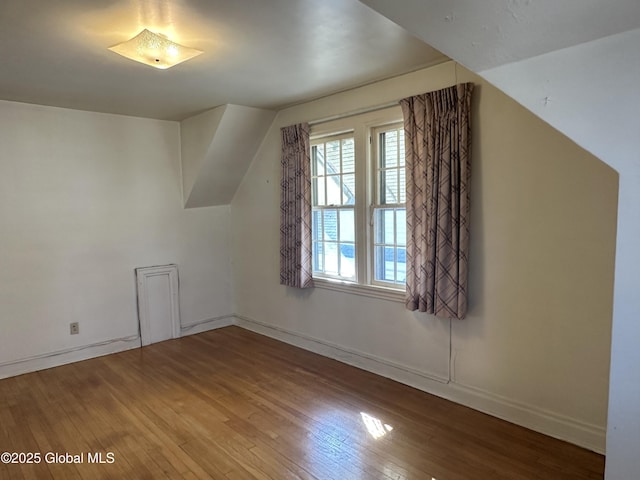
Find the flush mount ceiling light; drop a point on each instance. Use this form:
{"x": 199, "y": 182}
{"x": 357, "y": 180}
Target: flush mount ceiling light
{"x": 155, "y": 50}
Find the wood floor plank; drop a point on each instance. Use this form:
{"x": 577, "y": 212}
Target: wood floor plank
{"x": 233, "y": 405}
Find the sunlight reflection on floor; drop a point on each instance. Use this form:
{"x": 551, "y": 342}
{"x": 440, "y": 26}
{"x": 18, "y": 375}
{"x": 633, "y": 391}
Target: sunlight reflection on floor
{"x": 374, "y": 426}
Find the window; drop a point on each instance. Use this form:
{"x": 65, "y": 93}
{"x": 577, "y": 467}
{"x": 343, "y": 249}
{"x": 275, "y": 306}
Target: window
{"x": 333, "y": 201}
{"x": 358, "y": 201}
{"x": 389, "y": 213}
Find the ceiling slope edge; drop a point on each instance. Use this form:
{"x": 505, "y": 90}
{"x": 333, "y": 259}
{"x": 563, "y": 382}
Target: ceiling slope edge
{"x": 217, "y": 147}
{"x": 196, "y": 136}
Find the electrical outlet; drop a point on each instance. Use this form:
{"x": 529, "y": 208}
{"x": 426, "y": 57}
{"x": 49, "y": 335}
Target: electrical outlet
{"x": 74, "y": 328}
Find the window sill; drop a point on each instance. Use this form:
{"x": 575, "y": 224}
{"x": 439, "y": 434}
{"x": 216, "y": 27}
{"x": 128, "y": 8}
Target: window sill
{"x": 372, "y": 291}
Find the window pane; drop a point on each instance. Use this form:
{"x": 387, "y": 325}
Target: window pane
{"x": 384, "y": 261}
{"x": 318, "y": 264}
{"x": 331, "y": 258}
{"x": 390, "y": 148}
{"x": 401, "y": 226}
{"x": 317, "y": 160}
{"x": 330, "y": 225}
{"x": 389, "y": 227}
{"x": 382, "y": 161}
{"x": 317, "y": 190}
{"x": 333, "y": 157}
{"x": 389, "y": 263}
{"x": 390, "y": 185}
{"x": 379, "y": 263}
{"x": 347, "y": 260}
{"x": 349, "y": 189}
{"x": 347, "y": 251}
{"x": 401, "y": 265}
{"x": 348, "y": 156}
{"x": 403, "y": 186}
{"x": 383, "y": 225}
{"x": 378, "y": 225}
{"x": 347, "y": 226}
{"x": 333, "y": 190}
{"x": 389, "y": 245}
{"x": 316, "y": 225}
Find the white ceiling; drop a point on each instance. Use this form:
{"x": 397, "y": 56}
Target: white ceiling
{"x": 483, "y": 34}
{"x": 258, "y": 53}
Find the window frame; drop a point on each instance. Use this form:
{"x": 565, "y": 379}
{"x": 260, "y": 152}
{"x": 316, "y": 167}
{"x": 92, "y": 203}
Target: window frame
{"x": 361, "y": 126}
{"x": 339, "y": 242}
{"x": 376, "y": 204}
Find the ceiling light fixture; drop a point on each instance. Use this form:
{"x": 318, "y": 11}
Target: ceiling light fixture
{"x": 154, "y": 50}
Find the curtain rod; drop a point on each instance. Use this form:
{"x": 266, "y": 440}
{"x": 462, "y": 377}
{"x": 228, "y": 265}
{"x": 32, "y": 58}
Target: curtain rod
{"x": 354, "y": 112}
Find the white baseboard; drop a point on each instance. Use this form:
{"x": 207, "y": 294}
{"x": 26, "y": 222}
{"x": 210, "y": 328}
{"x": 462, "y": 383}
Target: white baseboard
{"x": 209, "y": 324}
{"x": 586, "y": 435}
{"x": 349, "y": 356}
{"x": 70, "y": 355}
{"x": 574, "y": 431}
{"x": 85, "y": 352}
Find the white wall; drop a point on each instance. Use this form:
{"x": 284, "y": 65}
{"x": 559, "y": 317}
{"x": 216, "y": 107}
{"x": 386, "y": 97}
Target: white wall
{"x": 576, "y": 65}
{"x": 623, "y": 433}
{"x": 84, "y": 199}
{"x": 598, "y": 108}
{"x": 535, "y": 346}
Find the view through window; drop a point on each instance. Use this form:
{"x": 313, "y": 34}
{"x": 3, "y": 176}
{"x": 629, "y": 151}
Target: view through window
{"x": 358, "y": 203}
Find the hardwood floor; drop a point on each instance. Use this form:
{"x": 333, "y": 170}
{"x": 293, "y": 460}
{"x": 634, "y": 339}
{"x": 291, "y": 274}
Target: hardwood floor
{"x": 230, "y": 404}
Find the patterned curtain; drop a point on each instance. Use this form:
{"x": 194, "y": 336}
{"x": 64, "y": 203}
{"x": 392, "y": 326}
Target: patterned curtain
{"x": 438, "y": 163}
{"x": 295, "y": 208}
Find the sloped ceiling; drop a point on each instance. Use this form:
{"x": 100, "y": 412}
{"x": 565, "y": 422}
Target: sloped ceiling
{"x": 562, "y": 60}
{"x": 485, "y": 34}
{"x": 576, "y": 64}
{"x": 217, "y": 147}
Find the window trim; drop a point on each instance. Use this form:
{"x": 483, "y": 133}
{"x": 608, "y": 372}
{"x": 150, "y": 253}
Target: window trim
{"x": 362, "y": 127}
{"x": 376, "y": 195}
{"x": 337, "y": 207}
{"x": 373, "y": 291}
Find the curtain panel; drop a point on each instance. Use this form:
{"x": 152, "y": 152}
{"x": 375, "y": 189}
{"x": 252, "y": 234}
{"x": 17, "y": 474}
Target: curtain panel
{"x": 295, "y": 208}
{"x": 438, "y": 163}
